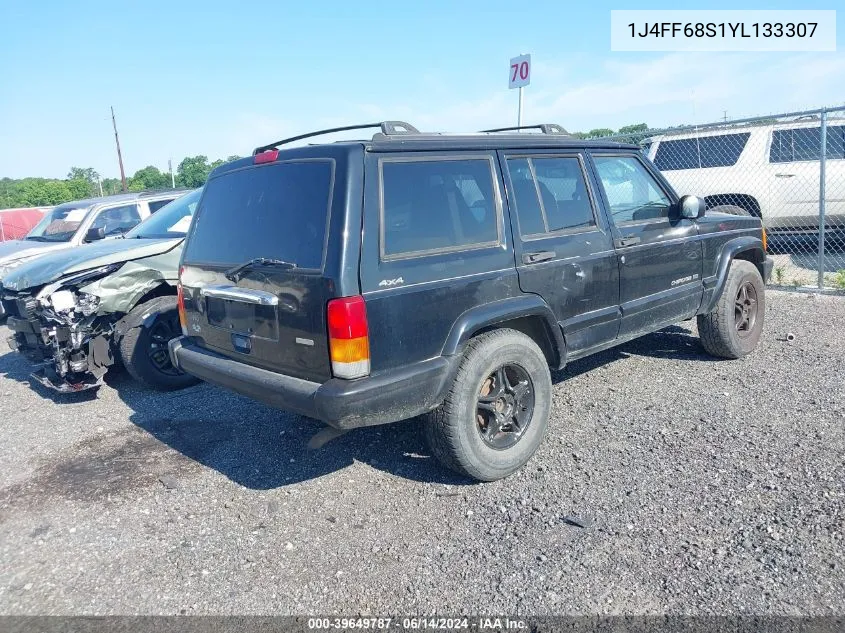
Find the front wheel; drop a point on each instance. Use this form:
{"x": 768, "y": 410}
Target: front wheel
{"x": 496, "y": 413}
{"x": 733, "y": 328}
{"x": 143, "y": 348}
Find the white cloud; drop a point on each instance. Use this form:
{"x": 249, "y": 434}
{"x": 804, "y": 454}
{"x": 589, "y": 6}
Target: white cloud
{"x": 661, "y": 90}
{"x": 665, "y": 90}
{"x": 580, "y": 91}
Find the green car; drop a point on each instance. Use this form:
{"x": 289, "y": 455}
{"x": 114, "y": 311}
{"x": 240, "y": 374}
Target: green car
{"x": 79, "y": 311}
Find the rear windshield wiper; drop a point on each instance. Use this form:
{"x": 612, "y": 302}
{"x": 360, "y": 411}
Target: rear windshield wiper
{"x": 234, "y": 274}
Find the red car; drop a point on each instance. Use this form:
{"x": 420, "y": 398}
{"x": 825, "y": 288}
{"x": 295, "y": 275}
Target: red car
{"x": 16, "y": 223}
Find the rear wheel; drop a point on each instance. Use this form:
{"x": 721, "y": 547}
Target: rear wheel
{"x": 143, "y": 349}
{"x": 733, "y": 328}
{"x": 497, "y": 410}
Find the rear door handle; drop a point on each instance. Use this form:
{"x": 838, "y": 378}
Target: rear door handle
{"x": 622, "y": 242}
{"x": 533, "y": 258}
{"x": 784, "y": 175}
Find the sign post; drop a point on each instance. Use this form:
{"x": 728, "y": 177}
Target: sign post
{"x": 519, "y": 76}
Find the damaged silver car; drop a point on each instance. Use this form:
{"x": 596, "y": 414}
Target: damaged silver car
{"x": 79, "y": 312}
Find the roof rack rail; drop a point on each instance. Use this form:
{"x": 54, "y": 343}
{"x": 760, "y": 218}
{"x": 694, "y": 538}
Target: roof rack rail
{"x": 545, "y": 128}
{"x": 158, "y": 192}
{"x": 387, "y": 128}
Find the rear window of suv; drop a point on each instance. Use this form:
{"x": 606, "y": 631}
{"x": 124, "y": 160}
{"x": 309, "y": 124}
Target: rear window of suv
{"x": 437, "y": 205}
{"x": 697, "y": 153}
{"x": 804, "y": 144}
{"x": 279, "y": 211}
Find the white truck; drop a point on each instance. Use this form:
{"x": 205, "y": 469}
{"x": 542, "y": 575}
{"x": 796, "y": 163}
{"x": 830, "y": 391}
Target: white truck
{"x": 769, "y": 170}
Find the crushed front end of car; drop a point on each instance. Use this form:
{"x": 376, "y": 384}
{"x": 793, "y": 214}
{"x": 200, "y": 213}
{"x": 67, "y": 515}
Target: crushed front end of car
{"x": 59, "y": 327}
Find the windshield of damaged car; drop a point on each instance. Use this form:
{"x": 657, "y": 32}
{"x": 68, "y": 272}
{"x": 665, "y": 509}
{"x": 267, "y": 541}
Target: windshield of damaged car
{"x": 59, "y": 224}
{"x": 172, "y": 220}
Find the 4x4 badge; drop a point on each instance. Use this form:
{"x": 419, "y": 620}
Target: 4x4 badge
{"x": 387, "y": 283}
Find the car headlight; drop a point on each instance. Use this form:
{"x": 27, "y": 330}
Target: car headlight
{"x": 87, "y": 303}
{"x": 63, "y": 301}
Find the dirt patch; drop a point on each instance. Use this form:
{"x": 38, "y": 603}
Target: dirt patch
{"x": 105, "y": 468}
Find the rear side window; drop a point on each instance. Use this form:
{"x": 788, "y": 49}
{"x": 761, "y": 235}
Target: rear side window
{"x": 437, "y": 205}
{"x": 117, "y": 220}
{"x": 700, "y": 153}
{"x": 155, "y": 205}
{"x": 550, "y": 194}
{"x": 801, "y": 144}
{"x": 836, "y": 141}
{"x": 279, "y": 211}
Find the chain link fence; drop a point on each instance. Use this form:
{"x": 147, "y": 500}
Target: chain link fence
{"x": 787, "y": 169}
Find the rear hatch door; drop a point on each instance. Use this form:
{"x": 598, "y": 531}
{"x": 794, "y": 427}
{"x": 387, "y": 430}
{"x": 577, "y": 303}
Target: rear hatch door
{"x": 270, "y": 314}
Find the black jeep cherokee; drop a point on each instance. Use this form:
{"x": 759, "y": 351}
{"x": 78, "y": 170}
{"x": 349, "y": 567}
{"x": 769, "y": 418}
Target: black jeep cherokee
{"x": 368, "y": 282}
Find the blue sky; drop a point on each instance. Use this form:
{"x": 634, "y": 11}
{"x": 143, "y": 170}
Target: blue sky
{"x": 219, "y": 78}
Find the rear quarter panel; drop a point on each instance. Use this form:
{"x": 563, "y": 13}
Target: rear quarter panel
{"x": 410, "y": 320}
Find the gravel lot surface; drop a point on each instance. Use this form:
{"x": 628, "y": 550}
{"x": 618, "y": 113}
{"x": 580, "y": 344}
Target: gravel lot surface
{"x": 701, "y": 487}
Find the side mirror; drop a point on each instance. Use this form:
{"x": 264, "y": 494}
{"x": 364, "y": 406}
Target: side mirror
{"x": 95, "y": 233}
{"x": 691, "y": 207}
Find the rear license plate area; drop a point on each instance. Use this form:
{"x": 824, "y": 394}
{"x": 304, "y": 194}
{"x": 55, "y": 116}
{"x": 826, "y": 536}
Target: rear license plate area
{"x": 240, "y": 317}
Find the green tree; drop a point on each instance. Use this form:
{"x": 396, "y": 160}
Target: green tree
{"x": 111, "y": 186}
{"x": 83, "y": 173}
{"x": 633, "y": 133}
{"x": 148, "y": 178}
{"x": 41, "y": 192}
{"x": 223, "y": 161}
{"x": 85, "y": 182}
{"x": 193, "y": 171}
{"x": 633, "y": 129}
{"x": 601, "y": 131}
{"x": 80, "y": 188}
{"x": 82, "y": 182}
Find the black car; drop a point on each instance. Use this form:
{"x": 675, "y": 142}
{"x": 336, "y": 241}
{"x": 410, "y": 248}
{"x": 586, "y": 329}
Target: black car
{"x": 366, "y": 282}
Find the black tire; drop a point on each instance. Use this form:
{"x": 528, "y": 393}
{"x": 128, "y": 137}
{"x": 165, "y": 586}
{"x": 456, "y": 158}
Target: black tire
{"x": 472, "y": 441}
{"x": 143, "y": 349}
{"x": 732, "y": 209}
{"x": 733, "y": 328}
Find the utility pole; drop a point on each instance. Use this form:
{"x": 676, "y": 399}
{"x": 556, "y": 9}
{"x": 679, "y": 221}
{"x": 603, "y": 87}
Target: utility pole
{"x": 119, "y": 156}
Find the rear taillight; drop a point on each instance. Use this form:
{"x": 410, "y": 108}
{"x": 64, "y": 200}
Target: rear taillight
{"x": 765, "y": 241}
{"x": 349, "y": 341}
{"x": 180, "y": 304}
{"x": 266, "y": 157}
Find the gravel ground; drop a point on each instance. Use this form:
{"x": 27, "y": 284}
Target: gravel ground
{"x": 702, "y": 487}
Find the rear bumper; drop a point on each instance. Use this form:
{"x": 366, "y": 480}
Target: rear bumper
{"x": 343, "y": 404}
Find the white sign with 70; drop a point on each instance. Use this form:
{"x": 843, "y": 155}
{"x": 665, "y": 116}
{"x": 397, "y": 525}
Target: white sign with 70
{"x": 520, "y": 72}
